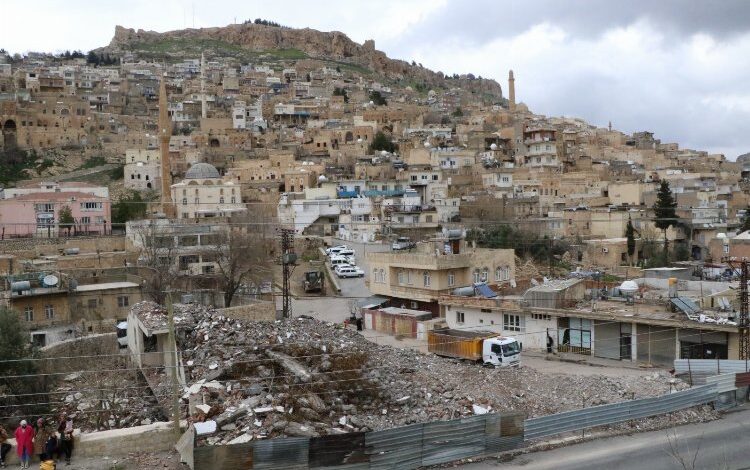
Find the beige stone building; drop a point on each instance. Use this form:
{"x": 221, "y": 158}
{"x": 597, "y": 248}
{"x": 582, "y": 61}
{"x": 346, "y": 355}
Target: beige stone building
{"x": 418, "y": 278}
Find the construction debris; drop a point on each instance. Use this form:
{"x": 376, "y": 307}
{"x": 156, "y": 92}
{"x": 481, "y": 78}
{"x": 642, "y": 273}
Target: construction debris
{"x": 307, "y": 378}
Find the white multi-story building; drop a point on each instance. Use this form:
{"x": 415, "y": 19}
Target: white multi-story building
{"x": 203, "y": 194}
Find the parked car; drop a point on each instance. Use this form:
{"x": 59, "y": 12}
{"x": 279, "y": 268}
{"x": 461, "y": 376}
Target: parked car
{"x": 340, "y": 261}
{"x": 349, "y": 271}
{"x": 334, "y": 250}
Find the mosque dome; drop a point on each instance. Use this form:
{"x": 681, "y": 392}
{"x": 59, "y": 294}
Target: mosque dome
{"x": 201, "y": 171}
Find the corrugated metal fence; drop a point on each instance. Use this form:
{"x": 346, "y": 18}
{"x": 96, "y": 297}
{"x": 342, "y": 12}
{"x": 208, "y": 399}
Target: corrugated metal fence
{"x": 695, "y": 371}
{"x": 439, "y": 442}
{"x": 406, "y": 447}
{"x": 617, "y": 412}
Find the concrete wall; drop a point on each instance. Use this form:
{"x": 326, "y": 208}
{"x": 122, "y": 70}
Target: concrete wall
{"x": 156, "y": 437}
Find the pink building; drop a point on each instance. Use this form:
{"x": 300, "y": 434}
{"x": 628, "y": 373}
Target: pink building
{"x": 38, "y": 214}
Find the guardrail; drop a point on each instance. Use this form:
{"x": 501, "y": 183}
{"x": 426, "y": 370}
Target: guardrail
{"x": 695, "y": 371}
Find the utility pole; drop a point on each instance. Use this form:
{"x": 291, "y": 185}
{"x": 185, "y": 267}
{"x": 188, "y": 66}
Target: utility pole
{"x": 744, "y": 320}
{"x": 288, "y": 259}
{"x": 172, "y": 341}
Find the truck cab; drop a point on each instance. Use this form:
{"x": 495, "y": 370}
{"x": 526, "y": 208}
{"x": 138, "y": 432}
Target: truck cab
{"x": 501, "y": 351}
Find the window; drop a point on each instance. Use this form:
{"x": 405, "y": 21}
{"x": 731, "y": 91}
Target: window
{"x": 460, "y": 317}
{"x": 28, "y": 313}
{"x": 184, "y": 201}
{"x": 123, "y": 301}
{"x": 726, "y": 249}
{"x": 511, "y": 322}
{"x": 428, "y": 218}
{"x": 85, "y": 220}
{"x": 375, "y": 275}
{"x": 426, "y": 278}
{"x": 485, "y": 274}
{"x": 401, "y": 277}
{"x": 477, "y": 276}
{"x": 502, "y": 273}
{"x": 232, "y": 200}
{"x": 414, "y": 305}
{"x": 49, "y": 312}
{"x": 221, "y": 200}
{"x": 92, "y": 303}
{"x": 451, "y": 279}
{"x": 46, "y": 207}
{"x": 91, "y": 206}
{"x": 408, "y": 277}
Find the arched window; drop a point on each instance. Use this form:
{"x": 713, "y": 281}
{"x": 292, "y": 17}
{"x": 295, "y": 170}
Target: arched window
{"x": 221, "y": 200}
{"x": 485, "y": 275}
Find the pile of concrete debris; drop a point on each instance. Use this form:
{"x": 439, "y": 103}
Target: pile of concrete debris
{"x": 251, "y": 380}
{"x": 108, "y": 395}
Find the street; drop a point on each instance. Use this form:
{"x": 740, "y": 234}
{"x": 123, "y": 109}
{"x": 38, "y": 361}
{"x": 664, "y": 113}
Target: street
{"x": 716, "y": 444}
{"x": 337, "y": 308}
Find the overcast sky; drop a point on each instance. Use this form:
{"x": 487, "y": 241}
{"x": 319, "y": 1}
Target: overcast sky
{"x": 677, "y": 68}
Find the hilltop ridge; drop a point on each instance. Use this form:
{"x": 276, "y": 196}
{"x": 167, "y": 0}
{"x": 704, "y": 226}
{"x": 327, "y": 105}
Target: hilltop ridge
{"x": 247, "y": 40}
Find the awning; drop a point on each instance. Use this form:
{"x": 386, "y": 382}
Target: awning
{"x": 372, "y": 301}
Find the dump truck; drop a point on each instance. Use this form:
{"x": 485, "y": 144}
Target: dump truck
{"x": 479, "y": 346}
{"x": 313, "y": 281}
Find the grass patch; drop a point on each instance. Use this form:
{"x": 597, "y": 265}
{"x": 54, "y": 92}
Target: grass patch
{"x": 92, "y": 162}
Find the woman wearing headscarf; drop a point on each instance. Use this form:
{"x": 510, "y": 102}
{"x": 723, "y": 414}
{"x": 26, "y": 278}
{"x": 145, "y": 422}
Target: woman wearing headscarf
{"x": 40, "y": 439}
{"x": 24, "y": 443}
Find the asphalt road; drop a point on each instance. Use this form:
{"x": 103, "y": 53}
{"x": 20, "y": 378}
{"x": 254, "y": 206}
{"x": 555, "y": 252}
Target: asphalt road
{"x": 336, "y": 309}
{"x": 720, "y": 444}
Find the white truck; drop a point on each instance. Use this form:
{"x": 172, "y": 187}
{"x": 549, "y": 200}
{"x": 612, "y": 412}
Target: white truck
{"x": 480, "y": 346}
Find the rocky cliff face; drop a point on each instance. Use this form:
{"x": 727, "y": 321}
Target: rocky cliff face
{"x": 332, "y": 45}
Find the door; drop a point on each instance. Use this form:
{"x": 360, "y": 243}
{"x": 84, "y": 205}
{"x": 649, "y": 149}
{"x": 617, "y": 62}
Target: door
{"x": 625, "y": 346}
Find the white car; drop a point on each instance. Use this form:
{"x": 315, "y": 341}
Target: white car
{"x": 349, "y": 271}
{"x": 334, "y": 250}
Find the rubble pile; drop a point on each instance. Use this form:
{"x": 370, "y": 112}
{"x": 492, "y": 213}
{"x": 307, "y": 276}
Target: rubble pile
{"x": 112, "y": 396}
{"x": 301, "y": 377}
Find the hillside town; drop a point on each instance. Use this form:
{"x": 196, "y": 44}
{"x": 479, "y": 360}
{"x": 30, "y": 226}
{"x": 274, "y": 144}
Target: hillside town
{"x": 270, "y": 242}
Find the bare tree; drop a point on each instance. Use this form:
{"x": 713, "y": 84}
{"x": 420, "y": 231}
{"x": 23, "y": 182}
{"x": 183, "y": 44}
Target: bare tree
{"x": 158, "y": 257}
{"x": 244, "y": 257}
{"x": 686, "y": 458}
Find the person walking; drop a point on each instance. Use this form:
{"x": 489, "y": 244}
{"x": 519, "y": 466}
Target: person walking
{"x": 65, "y": 428}
{"x": 4, "y": 446}
{"x": 40, "y": 439}
{"x": 24, "y": 443}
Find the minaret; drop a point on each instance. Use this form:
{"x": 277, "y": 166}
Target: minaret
{"x": 610, "y": 126}
{"x": 203, "y": 86}
{"x": 165, "y": 133}
{"x": 512, "y": 91}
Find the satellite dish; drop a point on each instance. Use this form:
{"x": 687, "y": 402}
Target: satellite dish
{"x": 493, "y": 147}
{"x": 427, "y": 144}
{"x": 322, "y": 179}
{"x": 384, "y": 152}
{"x": 50, "y": 281}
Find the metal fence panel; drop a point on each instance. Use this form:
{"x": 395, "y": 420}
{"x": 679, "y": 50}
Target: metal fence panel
{"x": 742, "y": 379}
{"x": 617, "y": 412}
{"x": 699, "y": 369}
{"x": 229, "y": 457}
{"x": 503, "y": 432}
{"x": 446, "y": 441}
{"x": 723, "y": 382}
{"x": 287, "y": 453}
{"x": 395, "y": 448}
{"x": 338, "y": 451}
